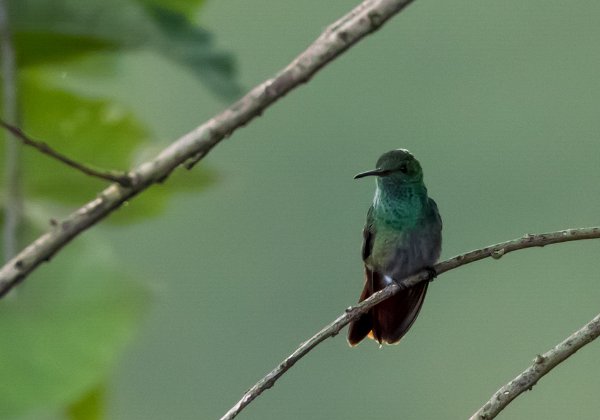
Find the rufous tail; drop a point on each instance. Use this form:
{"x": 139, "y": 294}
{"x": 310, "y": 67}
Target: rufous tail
{"x": 388, "y": 321}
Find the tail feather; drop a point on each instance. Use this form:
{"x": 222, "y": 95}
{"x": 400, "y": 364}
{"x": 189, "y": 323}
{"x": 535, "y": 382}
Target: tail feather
{"x": 360, "y": 327}
{"x": 388, "y": 321}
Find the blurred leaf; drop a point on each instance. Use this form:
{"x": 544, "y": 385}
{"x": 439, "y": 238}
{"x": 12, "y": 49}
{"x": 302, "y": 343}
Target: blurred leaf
{"x": 92, "y": 131}
{"x": 187, "y": 44}
{"x": 65, "y": 328}
{"x": 96, "y": 132}
{"x": 185, "y": 7}
{"x": 120, "y": 22}
{"x": 57, "y": 30}
{"x": 90, "y": 406}
{"x": 34, "y": 48}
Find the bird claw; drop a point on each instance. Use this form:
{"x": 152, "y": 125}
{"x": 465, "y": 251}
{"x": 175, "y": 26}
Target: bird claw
{"x": 431, "y": 272}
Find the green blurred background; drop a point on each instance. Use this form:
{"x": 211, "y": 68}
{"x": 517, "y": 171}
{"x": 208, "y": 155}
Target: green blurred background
{"x": 500, "y": 101}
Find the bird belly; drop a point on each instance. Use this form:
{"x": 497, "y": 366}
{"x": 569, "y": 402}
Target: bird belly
{"x": 400, "y": 254}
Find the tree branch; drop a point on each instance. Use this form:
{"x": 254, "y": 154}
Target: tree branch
{"x": 113, "y": 176}
{"x": 495, "y": 251}
{"x": 366, "y": 18}
{"x": 540, "y": 367}
{"x": 13, "y": 204}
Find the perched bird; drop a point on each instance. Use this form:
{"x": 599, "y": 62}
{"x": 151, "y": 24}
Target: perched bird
{"x": 402, "y": 236}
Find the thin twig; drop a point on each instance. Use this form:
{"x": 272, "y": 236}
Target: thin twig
{"x": 13, "y": 203}
{"x": 360, "y": 22}
{"x": 495, "y": 251}
{"x": 542, "y": 364}
{"x": 113, "y": 176}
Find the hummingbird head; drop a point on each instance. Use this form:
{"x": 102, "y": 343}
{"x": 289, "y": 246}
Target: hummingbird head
{"x": 396, "y": 167}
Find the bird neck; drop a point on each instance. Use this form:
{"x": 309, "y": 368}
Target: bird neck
{"x": 400, "y": 204}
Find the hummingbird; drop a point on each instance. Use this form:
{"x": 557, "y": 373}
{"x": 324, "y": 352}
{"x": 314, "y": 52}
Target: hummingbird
{"x": 402, "y": 236}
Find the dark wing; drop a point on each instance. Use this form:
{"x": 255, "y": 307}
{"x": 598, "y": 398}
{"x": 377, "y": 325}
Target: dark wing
{"x": 433, "y": 206}
{"x": 368, "y": 235}
{"x": 363, "y": 325}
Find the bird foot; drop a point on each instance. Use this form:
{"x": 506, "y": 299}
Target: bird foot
{"x": 431, "y": 272}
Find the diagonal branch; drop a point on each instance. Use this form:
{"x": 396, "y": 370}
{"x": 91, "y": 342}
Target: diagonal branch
{"x": 366, "y": 18}
{"x": 542, "y": 364}
{"x": 112, "y": 176}
{"x": 495, "y": 251}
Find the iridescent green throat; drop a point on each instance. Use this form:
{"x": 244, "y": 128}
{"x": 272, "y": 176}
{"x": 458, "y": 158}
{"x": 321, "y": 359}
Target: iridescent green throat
{"x": 400, "y": 205}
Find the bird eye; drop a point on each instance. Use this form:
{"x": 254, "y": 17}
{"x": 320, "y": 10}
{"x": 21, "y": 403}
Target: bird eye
{"x": 403, "y": 168}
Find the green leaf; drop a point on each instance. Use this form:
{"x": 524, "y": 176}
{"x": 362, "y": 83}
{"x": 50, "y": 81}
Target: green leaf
{"x": 188, "y": 44}
{"x": 35, "y": 48}
{"x": 119, "y": 22}
{"x": 185, "y": 7}
{"x": 65, "y": 328}
{"x": 57, "y": 30}
{"x": 95, "y": 132}
{"x": 90, "y": 406}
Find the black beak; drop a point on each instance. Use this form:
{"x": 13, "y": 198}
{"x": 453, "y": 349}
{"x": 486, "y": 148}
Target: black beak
{"x": 374, "y": 172}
